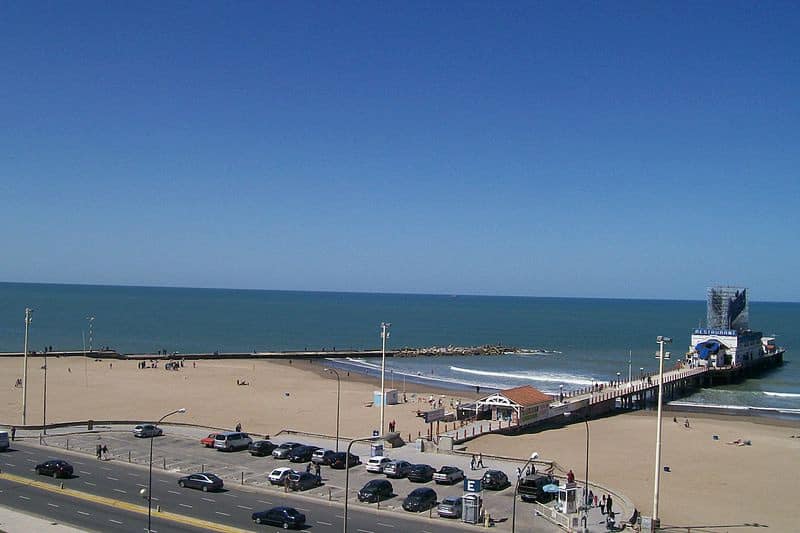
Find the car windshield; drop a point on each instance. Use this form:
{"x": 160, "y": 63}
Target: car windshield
{"x": 451, "y": 501}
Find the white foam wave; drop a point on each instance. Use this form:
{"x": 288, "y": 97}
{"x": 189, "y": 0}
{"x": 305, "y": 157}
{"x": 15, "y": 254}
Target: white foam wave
{"x": 549, "y": 378}
{"x": 736, "y": 407}
{"x": 782, "y": 394}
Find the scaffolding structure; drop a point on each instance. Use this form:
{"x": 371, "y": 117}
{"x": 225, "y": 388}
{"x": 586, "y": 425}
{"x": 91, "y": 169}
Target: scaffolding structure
{"x": 728, "y": 308}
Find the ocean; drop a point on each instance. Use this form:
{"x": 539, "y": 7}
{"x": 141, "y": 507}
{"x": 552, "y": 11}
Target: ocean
{"x": 579, "y": 340}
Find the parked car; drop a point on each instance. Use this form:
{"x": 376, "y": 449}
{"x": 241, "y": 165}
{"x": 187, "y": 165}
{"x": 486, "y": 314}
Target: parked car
{"x": 322, "y": 456}
{"x": 397, "y": 469}
{"x": 304, "y": 480}
{"x": 448, "y": 475}
{"x": 451, "y": 507}
{"x": 377, "y": 463}
{"x": 208, "y": 442}
{"x": 260, "y": 448}
{"x": 55, "y": 468}
{"x": 302, "y": 454}
{"x": 230, "y": 441}
{"x": 147, "y": 430}
{"x": 420, "y": 499}
{"x": 204, "y": 481}
{"x": 285, "y": 517}
{"x": 283, "y": 450}
{"x": 279, "y": 475}
{"x": 531, "y": 488}
{"x": 375, "y": 491}
{"x": 4, "y": 442}
{"x": 339, "y": 457}
{"x": 494, "y": 480}
{"x": 421, "y": 473}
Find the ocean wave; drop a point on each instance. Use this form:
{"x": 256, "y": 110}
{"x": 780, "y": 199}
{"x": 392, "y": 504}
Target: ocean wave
{"x": 729, "y": 407}
{"x": 782, "y": 394}
{"x": 551, "y": 378}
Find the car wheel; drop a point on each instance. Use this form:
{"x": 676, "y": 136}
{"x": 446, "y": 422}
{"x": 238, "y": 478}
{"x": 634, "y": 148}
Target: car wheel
{"x": 181, "y": 484}
{"x": 286, "y": 525}
{"x": 205, "y": 488}
{"x": 258, "y": 520}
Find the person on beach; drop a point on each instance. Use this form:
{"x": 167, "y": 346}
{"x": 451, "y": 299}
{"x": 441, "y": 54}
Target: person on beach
{"x": 686, "y": 423}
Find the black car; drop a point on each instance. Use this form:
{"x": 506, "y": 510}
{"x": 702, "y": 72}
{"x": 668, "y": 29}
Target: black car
{"x": 375, "y": 491}
{"x": 204, "y": 481}
{"x": 55, "y": 468}
{"x": 421, "y": 473}
{"x": 494, "y": 480}
{"x": 285, "y": 517}
{"x": 304, "y": 481}
{"x": 261, "y": 448}
{"x": 531, "y": 488}
{"x": 302, "y": 454}
{"x": 337, "y": 461}
{"x": 420, "y": 499}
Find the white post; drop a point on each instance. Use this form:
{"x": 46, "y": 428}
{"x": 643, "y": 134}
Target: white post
{"x": 384, "y": 335}
{"x": 661, "y": 341}
{"x": 28, "y": 313}
{"x": 629, "y": 365}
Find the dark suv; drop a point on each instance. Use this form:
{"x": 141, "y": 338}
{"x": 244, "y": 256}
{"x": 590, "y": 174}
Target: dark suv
{"x": 420, "y": 473}
{"x": 303, "y": 481}
{"x": 531, "y": 488}
{"x": 494, "y": 480}
{"x": 375, "y": 491}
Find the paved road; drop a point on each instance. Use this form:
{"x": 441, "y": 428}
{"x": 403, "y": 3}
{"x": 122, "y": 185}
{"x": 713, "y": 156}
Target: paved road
{"x": 122, "y": 482}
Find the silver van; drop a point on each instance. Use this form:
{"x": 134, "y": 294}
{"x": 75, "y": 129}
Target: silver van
{"x": 4, "y": 443}
{"x": 231, "y": 441}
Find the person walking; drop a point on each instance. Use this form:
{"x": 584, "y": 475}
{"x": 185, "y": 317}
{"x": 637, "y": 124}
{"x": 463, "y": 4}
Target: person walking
{"x": 238, "y": 424}
{"x": 317, "y": 470}
{"x": 609, "y": 506}
{"x": 308, "y": 468}
{"x": 603, "y": 505}
{"x": 570, "y": 476}
{"x": 98, "y": 451}
{"x": 14, "y": 434}
{"x": 480, "y": 461}
{"x": 104, "y": 450}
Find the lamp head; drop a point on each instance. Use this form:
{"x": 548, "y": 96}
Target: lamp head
{"x": 662, "y": 338}
{"x": 182, "y": 410}
{"x": 534, "y": 456}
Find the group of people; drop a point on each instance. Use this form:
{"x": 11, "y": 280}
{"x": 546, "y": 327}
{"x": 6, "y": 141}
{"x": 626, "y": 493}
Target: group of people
{"x": 392, "y": 426}
{"x": 317, "y": 468}
{"x": 476, "y": 463}
{"x": 101, "y": 450}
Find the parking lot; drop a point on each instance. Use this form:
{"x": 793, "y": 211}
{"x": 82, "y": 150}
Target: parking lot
{"x": 180, "y": 451}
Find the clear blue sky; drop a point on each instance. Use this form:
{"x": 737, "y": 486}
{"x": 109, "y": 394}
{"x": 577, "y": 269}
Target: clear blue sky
{"x": 556, "y": 149}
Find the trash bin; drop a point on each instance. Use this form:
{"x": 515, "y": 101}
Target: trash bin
{"x": 90, "y": 425}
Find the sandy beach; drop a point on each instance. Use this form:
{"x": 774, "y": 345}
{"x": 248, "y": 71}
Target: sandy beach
{"x": 711, "y": 485}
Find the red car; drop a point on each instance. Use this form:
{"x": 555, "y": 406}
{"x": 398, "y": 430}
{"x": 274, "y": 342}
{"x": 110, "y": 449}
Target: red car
{"x": 208, "y": 442}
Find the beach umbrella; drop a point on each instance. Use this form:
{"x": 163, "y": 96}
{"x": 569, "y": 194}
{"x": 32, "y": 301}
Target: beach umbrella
{"x": 551, "y": 488}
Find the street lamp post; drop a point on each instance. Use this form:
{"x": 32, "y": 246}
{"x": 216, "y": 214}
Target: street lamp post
{"x": 347, "y": 474}
{"x": 532, "y": 458}
{"x": 44, "y": 396}
{"x": 91, "y": 332}
{"x": 150, "y": 479}
{"x": 338, "y": 397}
{"x": 28, "y": 313}
{"x": 585, "y": 518}
{"x": 630, "y": 355}
{"x": 618, "y": 376}
{"x": 661, "y": 340}
{"x": 384, "y": 335}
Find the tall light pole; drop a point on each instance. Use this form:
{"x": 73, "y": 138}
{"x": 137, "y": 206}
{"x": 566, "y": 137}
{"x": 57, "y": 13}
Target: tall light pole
{"x": 630, "y": 354}
{"x": 150, "y": 480}
{"x": 338, "y": 397}
{"x": 44, "y": 394}
{"x": 585, "y": 518}
{"x": 661, "y": 340}
{"x": 384, "y": 335}
{"x": 532, "y": 458}
{"x": 347, "y": 474}
{"x": 28, "y": 313}
{"x": 91, "y": 324}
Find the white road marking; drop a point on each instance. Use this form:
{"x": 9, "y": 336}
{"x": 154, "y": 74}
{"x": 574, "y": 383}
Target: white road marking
{"x": 24, "y": 498}
{"x": 221, "y": 513}
{"x": 324, "y": 523}
{"x": 30, "y": 460}
{"x": 120, "y": 490}
{"x": 89, "y": 483}
{"x": 141, "y": 485}
{"x": 229, "y": 494}
{"x": 83, "y": 513}
{"x": 384, "y": 525}
{"x": 133, "y": 475}
{"x": 112, "y": 478}
{"x": 115, "y": 521}
{"x": 364, "y": 531}
{"x": 162, "y": 481}
{"x": 53, "y": 505}
{"x": 185, "y": 505}
{"x": 9, "y": 464}
{"x": 265, "y": 501}
{"x": 173, "y": 492}
{"x": 85, "y": 472}
{"x": 244, "y": 507}
{"x": 209, "y": 500}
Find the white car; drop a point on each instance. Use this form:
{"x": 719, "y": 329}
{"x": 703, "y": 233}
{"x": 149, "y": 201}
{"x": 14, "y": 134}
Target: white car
{"x": 279, "y": 475}
{"x": 376, "y": 464}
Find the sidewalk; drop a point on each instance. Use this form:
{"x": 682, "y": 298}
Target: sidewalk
{"x": 12, "y": 521}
